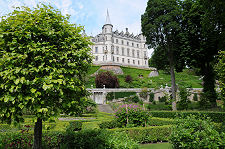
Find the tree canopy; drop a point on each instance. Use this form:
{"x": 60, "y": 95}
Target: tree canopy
{"x": 43, "y": 61}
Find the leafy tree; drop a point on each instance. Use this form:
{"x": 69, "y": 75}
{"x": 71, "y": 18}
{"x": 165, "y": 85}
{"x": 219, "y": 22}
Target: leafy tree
{"x": 203, "y": 27}
{"x": 184, "y": 101}
{"x": 160, "y": 25}
{"x": 220, "y": 67}
{"x": 43, "y": 61}
{"x": 107, "y": 79}
{"x": 159, "y": 59}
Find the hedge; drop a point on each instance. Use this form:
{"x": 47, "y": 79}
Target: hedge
{"x": 147, "y": 134}
{"x": 215, "y": 116}
{"x": 152, "y": 122}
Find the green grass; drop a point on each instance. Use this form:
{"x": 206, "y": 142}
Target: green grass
{"x": 156, "y": 146}
{"x": 185, "y": 78}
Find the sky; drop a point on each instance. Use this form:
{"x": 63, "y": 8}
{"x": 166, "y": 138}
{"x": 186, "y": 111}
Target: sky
{"x": 91, "y": 13}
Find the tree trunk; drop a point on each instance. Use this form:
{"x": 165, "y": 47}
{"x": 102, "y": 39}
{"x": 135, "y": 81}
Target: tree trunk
{"x": 37, "y": 134}
{"x": 172, "y": 74}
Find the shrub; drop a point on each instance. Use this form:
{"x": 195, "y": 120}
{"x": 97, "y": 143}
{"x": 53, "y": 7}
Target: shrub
{"x": 131, "y": 114}
{"x": 134, "y": 99}
{"x": 204, "y": 101}
{"x": 109, "y": 124}
{"x": 151, "y": 97}
{"x": 74, "y": 126}
{"x": 160, "y": 121}
{"x": 98, "y": 139}
{"x": 107, "y": 79}
{"x": 128, "y": 79}
{"x": 147, "y": 134}
{"x": 162, "y": 99}
{"x": 196, "y": 133}
{"x": 183, "y": 103}
{"x": 195, "y": 97}
{"x": 215, "y": 116}
{"x": 158, "y": 107}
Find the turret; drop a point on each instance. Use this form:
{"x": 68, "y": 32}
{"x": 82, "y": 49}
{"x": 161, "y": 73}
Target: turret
{"x": 107, "y": 27}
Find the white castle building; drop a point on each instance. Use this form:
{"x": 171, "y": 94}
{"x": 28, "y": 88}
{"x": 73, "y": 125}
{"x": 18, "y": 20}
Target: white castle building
{"x": 119, "y": 48}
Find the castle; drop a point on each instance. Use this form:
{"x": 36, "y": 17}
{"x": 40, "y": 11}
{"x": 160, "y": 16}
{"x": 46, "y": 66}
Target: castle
{"x": 119, "y": 48}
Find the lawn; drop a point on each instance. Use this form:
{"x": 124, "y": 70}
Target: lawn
{"x": 156, "y": 146}
{"x": 185, "y": 78}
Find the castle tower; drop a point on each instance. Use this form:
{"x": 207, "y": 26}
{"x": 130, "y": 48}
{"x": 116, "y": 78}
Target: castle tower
{"x": 107, "y": 31}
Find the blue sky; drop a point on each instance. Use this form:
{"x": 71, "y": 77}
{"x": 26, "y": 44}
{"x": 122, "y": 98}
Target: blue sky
{"x": 91, "y": 13}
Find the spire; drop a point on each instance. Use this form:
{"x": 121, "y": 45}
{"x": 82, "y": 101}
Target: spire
{"x": 107, "y": 21}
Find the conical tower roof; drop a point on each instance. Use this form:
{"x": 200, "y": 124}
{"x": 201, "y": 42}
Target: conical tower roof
{"x": 107, "y": 21}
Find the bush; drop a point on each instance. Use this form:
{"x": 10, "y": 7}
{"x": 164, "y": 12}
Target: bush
{"x": 151, "y": 97}
{"x": 74, "y": 126}
{"x": 128, "y": 79}
{"x": 196, "y": 133}
{"x": 98, "y": 139}
{"x": 195, "y": 97}
{"x": 160, "y": 121}
{"x": 158, "y": 107}
{"x": 109, "y": 124}
{"x": 107, "y": 79}
{"x": 132, "y": 115}
{"x": 162, "y": 99}
{"x": 183, "y": 103}
{"x": 215, "y": 116}
{"x": 134, "y": 99}
{"x": 147, "y": 134}
{"x": 204, "y": 101}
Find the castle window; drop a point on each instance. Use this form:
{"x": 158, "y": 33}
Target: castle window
{"x": 132, "y": 44}
{"x": 128, "y": 52}
{"x": 117, "y": 50}
{"x": 128, "y": 43}
{"x": 145, "y": 62}
{"x": 113, "y": 58}
{"x": 128, "y": 60}
{"x": 96, "y": 58}
{"x": 138, "y": 62}
{"x": 96, "y": 49}
{"x": 133, "y": 61}
{"x": 137, "y": 53}
{"x": 133, "y": 53}
{"x": 106, "y": 57}
{"x": 116, "y": 40}
{"x": 103, "y": 58}
{"x": 105, "y": 30}
{"x": 122, "y": 51}
{"x": 137, "y": 45}
{"x": 112, "y": 40}
{"x": 123, "y": 60}
{"x": 105, "y": 37}
{"x": 121, "y": 41}
{"x": 117, "y": 59}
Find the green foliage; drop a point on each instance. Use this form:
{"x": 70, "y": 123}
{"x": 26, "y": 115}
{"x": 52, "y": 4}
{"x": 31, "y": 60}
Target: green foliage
{"x": 98, "y": 139}
{"x": 109, "y": 124}
{"x": 107, "y": 79}
{"x": 162, "y": 99}
{"x": 147, "y": 134}
{"x": 144, "y": 93}
{"x": 74, "y": 126}
{"x": 158, "y": 106}
{"x": 43, "y": 60}
{"x": 151, "y": 97}
{"x": 132, "y": 99}
{"x": 193, "y": 132}
{"x": 132, "y": 115}
{"x": 195, "y": 97}
{"x": 204, "y": 100}
{"x": 160, "y": 121}
{"x": 184, "y": 101}
{"x": 214, "y": 116}
{"x": 220, "y": 67}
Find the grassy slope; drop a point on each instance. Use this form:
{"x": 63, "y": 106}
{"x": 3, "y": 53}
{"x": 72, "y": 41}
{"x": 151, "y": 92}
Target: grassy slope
{"x": 184, "y": 78}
